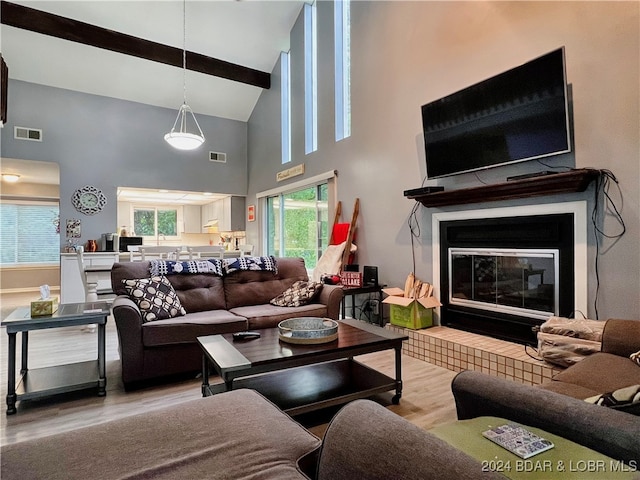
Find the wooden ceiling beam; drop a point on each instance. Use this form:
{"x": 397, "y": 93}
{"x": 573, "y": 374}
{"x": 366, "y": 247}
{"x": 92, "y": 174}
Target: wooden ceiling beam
{"x": 45, "y": 23}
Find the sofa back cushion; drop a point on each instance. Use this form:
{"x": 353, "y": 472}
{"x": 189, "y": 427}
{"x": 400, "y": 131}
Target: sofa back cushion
{"x": 246, "y": 288}
{"x": 197, "y": 292}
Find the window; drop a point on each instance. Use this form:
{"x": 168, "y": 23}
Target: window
{"x": 298, "y": 224}
{"x": 155, "y": 222}
{"x": 29, "y": 233}
{"x": 310, "y": 79}
{"x": 285, "y": 105}
{"x": 342, "y": 32}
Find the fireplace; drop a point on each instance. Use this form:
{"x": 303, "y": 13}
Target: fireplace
{"x": 503, "y": 272}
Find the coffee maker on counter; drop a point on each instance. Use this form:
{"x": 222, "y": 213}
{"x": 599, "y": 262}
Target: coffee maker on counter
{"x": 109, "y": 242}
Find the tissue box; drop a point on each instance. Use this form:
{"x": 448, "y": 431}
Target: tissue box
{"x": 40, "y": 307}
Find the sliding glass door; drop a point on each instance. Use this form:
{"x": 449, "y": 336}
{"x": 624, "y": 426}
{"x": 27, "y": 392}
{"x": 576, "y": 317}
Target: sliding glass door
{"x": 298, "y": 224}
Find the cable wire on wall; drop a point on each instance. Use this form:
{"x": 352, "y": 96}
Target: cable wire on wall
{"x": 598, "y": 216}
{"x": 414, "y": 228}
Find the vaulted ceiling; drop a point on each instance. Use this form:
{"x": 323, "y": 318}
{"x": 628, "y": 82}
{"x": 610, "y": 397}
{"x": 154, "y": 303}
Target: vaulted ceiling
{"x": 247, "y": 33}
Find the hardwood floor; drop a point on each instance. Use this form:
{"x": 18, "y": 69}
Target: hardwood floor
{"x": 426, "y": 401}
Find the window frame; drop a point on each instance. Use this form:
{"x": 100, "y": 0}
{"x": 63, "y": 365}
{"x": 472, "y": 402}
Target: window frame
{"x": 310, "y": 79}
{"x": 342, "y": 57}
{"x": 155, "y": 208}
{"x": 43, "y": 203}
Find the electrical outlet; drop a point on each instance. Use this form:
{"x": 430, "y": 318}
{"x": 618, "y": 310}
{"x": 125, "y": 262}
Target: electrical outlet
{"x": 375, "y": 306}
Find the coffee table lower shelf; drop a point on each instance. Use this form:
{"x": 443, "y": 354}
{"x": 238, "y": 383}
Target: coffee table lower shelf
{"x": 305, "y": 389}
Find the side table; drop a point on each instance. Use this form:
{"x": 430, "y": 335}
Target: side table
{"x": 353, "y": 291}
{"x": 54, "y": 380}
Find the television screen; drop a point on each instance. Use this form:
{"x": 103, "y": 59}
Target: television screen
{"x": 515, "y": 116}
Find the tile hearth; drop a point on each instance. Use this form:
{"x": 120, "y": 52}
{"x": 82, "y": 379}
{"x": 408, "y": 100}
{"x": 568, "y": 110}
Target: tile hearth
{"x": 458, "y": 350}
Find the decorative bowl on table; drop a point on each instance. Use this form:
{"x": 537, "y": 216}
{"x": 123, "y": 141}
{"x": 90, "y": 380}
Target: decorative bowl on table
{"x": 308, "y": 330}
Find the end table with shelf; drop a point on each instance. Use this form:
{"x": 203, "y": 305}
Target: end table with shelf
{"x": 41, "y": 382}
{"x": 364, "y": 289}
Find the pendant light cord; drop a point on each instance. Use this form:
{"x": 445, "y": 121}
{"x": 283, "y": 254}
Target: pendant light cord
{"x": 184, "y": 51}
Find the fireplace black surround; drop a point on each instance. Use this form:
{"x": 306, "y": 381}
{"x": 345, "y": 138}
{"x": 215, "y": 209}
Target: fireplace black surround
{"x": 549, "y": 232}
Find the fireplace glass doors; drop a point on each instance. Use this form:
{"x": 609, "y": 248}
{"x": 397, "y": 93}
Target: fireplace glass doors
{"x": 512, "y": 281}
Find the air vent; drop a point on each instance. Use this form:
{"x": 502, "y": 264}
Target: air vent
{"x": 218, "y": 157}
{"x": 24, "y": 133}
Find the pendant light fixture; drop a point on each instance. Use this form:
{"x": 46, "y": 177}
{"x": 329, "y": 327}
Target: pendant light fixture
{"x": 182, "y": 139}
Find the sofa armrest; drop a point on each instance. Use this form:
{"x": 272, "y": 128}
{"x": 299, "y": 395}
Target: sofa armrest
{"x": 368, "y": 442}
{"x": 602, "y": 429}
{"x": 331, "y": 296}
{"x": 128, "y": 320}
{"x": 621, "y": 337}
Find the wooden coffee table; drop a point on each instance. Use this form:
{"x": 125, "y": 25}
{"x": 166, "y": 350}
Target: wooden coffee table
{"x": 303, "y": 378}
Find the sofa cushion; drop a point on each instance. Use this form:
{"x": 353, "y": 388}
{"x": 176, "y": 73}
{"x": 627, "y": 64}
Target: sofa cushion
{"x": 268, "y": 316}
{"x": 181, "y": 330}
{"x": 601, "y": 372}
{"x": 300, "y": 293}
{"x": 568, "y": 389}
{"x": 155, "y": 298}
{"x": 197, "y": 292}
{"x": 246, "y": 288}
{"x": 237, "y": 434}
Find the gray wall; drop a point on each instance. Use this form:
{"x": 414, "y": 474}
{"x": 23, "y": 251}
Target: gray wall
{"x": 405, "y": 54}
{"x": 109, "y": 143}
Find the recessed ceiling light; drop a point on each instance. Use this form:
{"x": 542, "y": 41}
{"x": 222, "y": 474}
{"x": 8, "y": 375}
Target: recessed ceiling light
{"x": 10, "y": 177}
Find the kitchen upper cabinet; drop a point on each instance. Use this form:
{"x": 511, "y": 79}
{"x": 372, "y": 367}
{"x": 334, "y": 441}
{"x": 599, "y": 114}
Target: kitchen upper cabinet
{"x": 233, "y": 214}
{"x": 191, "y": 217}
{"x": 230, "y": 213}
{"x": 208, "y": 212}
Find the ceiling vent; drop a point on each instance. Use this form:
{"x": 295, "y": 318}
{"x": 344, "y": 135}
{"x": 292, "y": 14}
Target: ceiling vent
{"x": 218, "y": 157}
{"x": 24, "y": 133}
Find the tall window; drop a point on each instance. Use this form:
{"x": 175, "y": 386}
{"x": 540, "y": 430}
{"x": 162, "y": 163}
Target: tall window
{"x": 310, "y": 79}
{"x": 298, "y": 224}
{"x": 29, "y": 233}
{"x": 155, "y": 222}
{"x": 342, "y": 32}
{"x": 285, "y": 105}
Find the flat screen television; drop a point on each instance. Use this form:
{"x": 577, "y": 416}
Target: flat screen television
{"x": 518, "y": 115}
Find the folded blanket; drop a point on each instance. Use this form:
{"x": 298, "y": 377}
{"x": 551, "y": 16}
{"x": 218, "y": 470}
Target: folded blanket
{"x": 213, "y": 266}
{"x": 266, "y": 264}
{"x": 172, "y": 267}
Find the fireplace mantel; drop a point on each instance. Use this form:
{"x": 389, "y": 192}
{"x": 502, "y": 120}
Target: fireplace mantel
{"x": 564, "y": 182}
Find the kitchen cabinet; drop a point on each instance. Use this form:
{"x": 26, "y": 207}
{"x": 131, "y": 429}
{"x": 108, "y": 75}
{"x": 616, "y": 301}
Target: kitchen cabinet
{"x": 232, "y": 216}
{"x": 230, "y": 213}
{"x": 191, "y": 216}
{"x": 207, "y": 213}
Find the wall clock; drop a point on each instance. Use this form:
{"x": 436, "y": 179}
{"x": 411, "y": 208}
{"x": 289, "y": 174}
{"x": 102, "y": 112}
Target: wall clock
{"x": 88, "y": 200}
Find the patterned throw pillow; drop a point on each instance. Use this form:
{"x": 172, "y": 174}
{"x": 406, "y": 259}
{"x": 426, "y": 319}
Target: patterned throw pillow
{"x": 635, "y": 357}
{"x": 155, "y": 297}
{"x": 300, "y": 293}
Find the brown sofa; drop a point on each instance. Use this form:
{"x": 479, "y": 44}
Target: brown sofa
{"x": 214, "y": 305}
{"x": 241, "y": 435}
{"x": 607, "y": 370}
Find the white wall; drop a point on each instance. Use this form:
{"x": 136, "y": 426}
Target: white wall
{"x": 405, "y": 54}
